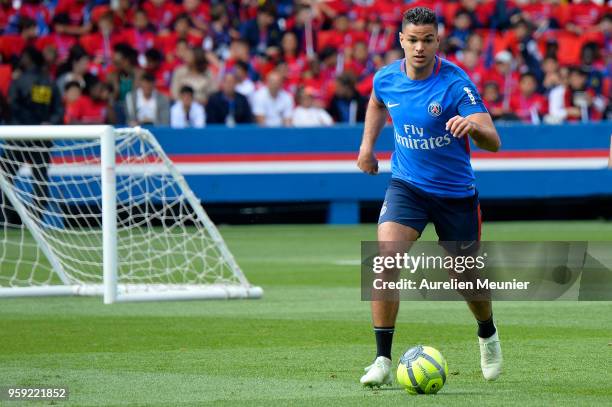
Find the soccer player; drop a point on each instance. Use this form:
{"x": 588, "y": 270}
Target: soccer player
{"x": 435, "y": 109}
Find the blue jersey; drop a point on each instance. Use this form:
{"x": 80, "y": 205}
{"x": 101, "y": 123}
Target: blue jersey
{"x": 426, "y": 154}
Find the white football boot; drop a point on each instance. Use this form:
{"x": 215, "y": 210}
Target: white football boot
{"x": 378, "y": 373}
{"x": 490, "y": 357}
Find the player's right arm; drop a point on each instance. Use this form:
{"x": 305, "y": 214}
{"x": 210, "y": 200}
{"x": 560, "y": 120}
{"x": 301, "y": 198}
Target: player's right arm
{"x": 376, "y": 116}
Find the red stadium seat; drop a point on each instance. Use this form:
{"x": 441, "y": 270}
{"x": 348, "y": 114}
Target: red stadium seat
{"x": 11, "y": 45}
{"x": 329, "y": 38}
{"x": 89, "y": 42}
{"x": 569, "y": 46}
{"x": 6, "y": 73}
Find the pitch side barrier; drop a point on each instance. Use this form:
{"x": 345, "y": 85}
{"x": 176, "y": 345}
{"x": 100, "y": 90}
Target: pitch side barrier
{"x": 278, "y": 165}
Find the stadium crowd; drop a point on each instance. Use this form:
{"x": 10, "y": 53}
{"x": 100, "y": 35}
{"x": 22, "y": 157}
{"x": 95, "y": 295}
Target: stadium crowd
{"x": 302, "y": 63}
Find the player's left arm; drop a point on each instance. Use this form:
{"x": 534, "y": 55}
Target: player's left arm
{"x": 479, "y": 126}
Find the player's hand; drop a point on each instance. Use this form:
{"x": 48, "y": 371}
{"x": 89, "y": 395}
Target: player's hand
{"x": 460, "y": 126}
{"x": 367, "y": 162}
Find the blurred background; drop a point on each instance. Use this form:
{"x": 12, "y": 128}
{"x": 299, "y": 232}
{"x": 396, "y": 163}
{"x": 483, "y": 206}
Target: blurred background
{"x": 260, "y": 102}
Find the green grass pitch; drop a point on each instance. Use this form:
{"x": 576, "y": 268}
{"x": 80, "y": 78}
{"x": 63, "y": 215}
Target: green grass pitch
{"x": 307, "y": 341}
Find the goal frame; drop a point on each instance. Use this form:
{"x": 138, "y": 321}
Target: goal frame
{"x": 110, "y": 289}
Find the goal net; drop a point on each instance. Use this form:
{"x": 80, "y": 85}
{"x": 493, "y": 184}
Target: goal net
{"x": 93, "y": 210}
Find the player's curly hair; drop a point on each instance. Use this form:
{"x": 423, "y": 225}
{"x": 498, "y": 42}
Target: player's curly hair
{"x": 420, "y": 16}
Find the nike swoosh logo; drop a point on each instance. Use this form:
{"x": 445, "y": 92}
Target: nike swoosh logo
{"x": 464, "y": 246}
{"x": 389, "y": 104}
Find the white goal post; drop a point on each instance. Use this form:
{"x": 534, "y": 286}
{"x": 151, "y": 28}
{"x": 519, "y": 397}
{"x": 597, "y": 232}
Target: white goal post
{"x": 94, "y": 210}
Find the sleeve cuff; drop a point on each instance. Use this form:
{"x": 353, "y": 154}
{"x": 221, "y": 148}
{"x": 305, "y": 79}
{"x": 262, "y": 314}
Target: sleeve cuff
{"x": 471, "y": 109}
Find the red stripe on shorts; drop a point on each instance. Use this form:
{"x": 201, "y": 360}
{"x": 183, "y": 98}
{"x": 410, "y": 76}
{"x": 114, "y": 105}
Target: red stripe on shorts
{"x": 479, "y": 221}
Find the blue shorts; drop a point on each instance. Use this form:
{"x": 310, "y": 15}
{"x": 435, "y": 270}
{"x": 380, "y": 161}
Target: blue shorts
{"x": 455, "y": 219}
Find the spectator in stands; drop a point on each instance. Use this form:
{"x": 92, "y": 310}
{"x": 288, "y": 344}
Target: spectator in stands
{"x": 94, "y": 106}
{"x": 195, "y": 74}
{"x": 582, "y": 16}
{"x": 493, "y": 101}
{"x": 479, "y": 17}
{"x": 263, "y": 31}
{"x": 146, "y": 105}
{"x": 462, "y": 27}
{"x": 161, "y": 70}
{"x": 122, "y": 78}
{"x": 244, "y": 84}
{"x": 75, "y": 69}
{"x": 471, "y": 64}
{"x": 220, "y": 32}
{"x": 33, "y": 9}
{"x": 347, "y": 105}
{"x": 572, "y": 101}
{"x": 291, "y": 56}
{"x": 161, "y": 13}
{"x": 179, "y": 54}
{"x": 392, "y": 55}
{"x": 33, "y": 99}
{"x": 303, "y": 18}
{"x": 541, "y": 14}
{"x": 603, "y": 37}
{"x": 272, "y": 105}
{"x": 60, "y": 38}
{"x": 475, "y": 43}
{"x": 307, "y": 113}
{"x": 359, "y": 61}
{"x": 593, "y": 65}
{"x": 271, "y": 60}
{"x": 607, "y": 115}
{"x": 200, "y": 14}
{"x": 339, "y": 36}
{"x": 527, "y": 104}
{"x": 50, "y": 58}
{"x": 551, "y": 48}
{"x": 142, "y": 35}
{"x": 74, "y": 18}
{"x": 239, "y": 51}
{"x": 72, "y": 93}
{"x": 503, "y": 13}
{"x": 228, "y": 106}
{"x": 14, "y": 44}
{"x": 124, "y": 11}
{"x": 5, "y": 113}
{"x": 33, "y": 96}
{"x": 186, "y": 112}
{"x": 552, "y": 75}
{"x": 311, "y": 76}
{"x": 6, "y": 76}
{"x": 527, "y": 47}
{"x": 328, "y": 69}
{"x": 183, "y": 30}
{"x": 504, "y": 75}
{"x": 7, "y": 11}
{"x": 99, "y": 44}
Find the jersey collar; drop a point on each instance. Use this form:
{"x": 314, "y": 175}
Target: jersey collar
{"x": 436, "y": 70}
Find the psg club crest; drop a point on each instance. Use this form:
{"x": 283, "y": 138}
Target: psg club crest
{"x": 434, "y": 109}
